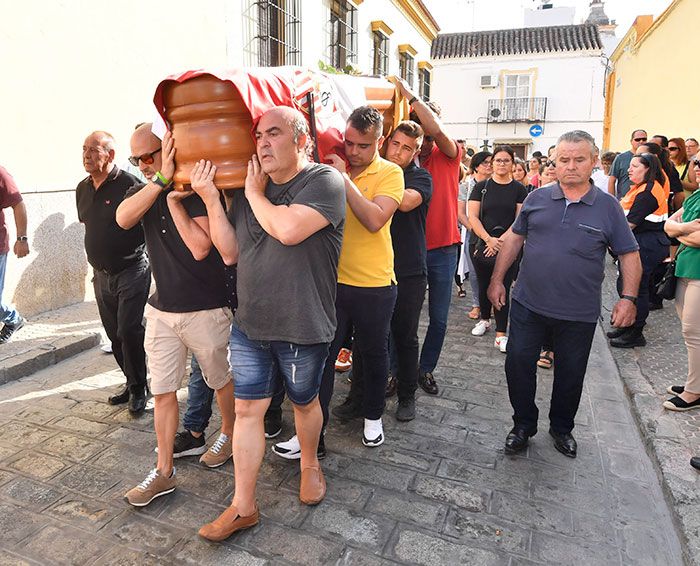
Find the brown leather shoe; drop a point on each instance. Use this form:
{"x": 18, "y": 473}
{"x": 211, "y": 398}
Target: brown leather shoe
{"x": 228, "y": 523}
{"x": 312, "y": 488}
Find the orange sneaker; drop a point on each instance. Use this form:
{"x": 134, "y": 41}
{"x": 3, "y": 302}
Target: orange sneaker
{"x": 344, "y": 361}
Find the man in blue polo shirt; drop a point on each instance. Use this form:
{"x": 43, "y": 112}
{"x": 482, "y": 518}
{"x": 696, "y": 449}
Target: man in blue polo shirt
{"x": 566, "y": 229}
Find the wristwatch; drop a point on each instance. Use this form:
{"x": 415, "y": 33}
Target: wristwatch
{"x": 161, "y": 181}
{"x": 22, "y": 239}
{"x": 629, "y": 298}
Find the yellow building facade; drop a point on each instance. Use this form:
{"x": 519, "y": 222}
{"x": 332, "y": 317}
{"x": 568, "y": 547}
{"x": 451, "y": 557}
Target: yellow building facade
{"x": 653, "y": 84}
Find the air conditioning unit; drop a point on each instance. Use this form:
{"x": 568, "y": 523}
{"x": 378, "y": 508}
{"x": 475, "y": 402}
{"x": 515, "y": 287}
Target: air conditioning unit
{"x": 489, "y": 81}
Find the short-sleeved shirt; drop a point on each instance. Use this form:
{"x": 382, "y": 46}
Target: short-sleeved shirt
{"x": 408, "y": 228}
{"x": 619, "y": 171}
{"x": 9, "y": 196}
{"x": 367, "y": 258}
{"x": 183, "y": 284}
{"x": 287, "y": 293}
{"x": 499, "y": 205}
{"x": 563, "y": 263}
{"x": 108, "y": 247}
{"x": 441, "y": 224}
{"x": 688, "y": 258}
{"x": 464, "y": 190}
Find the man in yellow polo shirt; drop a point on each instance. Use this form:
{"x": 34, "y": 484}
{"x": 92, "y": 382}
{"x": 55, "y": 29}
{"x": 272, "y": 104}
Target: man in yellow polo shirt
{"x": 366, "y": 282}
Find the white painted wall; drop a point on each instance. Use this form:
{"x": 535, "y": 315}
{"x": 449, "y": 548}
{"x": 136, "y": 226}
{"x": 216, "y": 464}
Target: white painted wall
{"x": 573, "y": 85}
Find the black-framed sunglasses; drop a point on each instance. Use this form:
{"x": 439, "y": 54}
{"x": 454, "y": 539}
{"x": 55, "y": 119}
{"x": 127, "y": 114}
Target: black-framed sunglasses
{"x": 696, "y": 162}
{"x": 672, "y": 148}
{"x": 550, "y": 164}
{"x": 146, "y": 158}
{"x": 640, "y": 139}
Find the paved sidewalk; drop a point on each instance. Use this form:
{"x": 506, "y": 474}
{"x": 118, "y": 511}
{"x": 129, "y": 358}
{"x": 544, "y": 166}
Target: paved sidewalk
{"x": 672, "y": 437}
{"x": 49, "y": 338}
{"x": 439, "y": 491}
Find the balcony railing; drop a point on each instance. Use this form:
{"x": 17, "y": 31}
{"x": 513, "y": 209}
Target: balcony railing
{"x": 517, "y": 110}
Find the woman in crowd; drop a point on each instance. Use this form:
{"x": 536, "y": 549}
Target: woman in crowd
{"x": 548, "y": 173}
{"x": 686, "y": 172}
{"x": 685, "y": 225}
{"x": 534, "y": 171}
{"x": 646, "y": 209}
{"x": 481, "y": 169}
{"x": 520, "y": 174}
{"x": 493, "y": 206}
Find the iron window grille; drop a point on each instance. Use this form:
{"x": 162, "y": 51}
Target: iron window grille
{"x": 381, "y": 53}
{"x": 279, "y": 32}
{"x": 343, "y": 40}
{"x": 424, "y": 84}
{"x": 406, "y": 68}
{"x": 521, "y": 109}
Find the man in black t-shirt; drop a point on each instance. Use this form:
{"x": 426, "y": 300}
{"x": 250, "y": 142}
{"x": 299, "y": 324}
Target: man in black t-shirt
{"x": 189, "y": 309}
{"x": 122, "y": 277}
{"x": 408, "y": 241}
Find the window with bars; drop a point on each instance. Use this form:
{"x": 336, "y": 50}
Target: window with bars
{"x": 517, "y": 86}
{"x": 424, "y": 84}
{"x": 406, "y": 67}
{"x": 381, "y": 53}
{"x": 279, "y": 32}
{"x": 343, "y": 40}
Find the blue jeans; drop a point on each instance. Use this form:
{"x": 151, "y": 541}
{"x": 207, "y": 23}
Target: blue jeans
{"x": 8, "y": 315}
{"x": 199, "y": 399}
{"x": 442, "y": 263}
{"x": 260, "y": 367}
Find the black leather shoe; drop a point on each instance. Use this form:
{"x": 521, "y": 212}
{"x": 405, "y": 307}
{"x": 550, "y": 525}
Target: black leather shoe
{"x": 695, "y": 462}
{"x": 427, "y": 383}
{"x": 119, "y": 398}
{"x": 137, "y": 402}
{"x": 632, "y": 339}
{"x": 656, "y": 306}
{"x": 565, "y": 443}
{"x": 391, "y": 386}
{"x": 348, "y": 410}
{"x": 517, "y": 440}
{"x": 616, "y": 332}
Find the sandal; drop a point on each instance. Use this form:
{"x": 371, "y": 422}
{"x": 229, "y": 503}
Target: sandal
{"x": 546, "y": 360}
{"x": 475, "y": 313}
{"x": 461, "y": 293}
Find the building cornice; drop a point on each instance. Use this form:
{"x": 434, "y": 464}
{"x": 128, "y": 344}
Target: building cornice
{"x": 382, "y": 27}
{"x": 420, "y": 17}
{"x": 408, "y": 48}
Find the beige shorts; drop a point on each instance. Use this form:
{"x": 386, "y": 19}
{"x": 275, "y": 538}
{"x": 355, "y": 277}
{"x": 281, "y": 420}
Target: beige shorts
{"x": 170, "y": 334}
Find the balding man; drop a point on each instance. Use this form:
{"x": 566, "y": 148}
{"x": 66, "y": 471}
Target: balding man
{"x": 122, "y": 276}
{"x": 189, "y": 309}
{"x": 289, "y": 220}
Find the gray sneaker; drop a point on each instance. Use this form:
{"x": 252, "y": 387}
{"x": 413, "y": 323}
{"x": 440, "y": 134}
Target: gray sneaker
{"x": 153, "y": 486}
{"x": 406, "y": 411}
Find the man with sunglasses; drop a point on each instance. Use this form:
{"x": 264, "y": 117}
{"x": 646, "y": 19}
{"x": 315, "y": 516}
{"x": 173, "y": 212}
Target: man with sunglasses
{"x": 190, "y": 307}
{"x": 122, "y": 276}
{"x": 619, "y": 181}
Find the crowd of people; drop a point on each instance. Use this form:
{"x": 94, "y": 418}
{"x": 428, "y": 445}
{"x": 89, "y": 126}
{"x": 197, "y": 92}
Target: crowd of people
{"x": 359, "y": 239}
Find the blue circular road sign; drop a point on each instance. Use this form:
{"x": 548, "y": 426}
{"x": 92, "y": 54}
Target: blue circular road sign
{"x": 536, "y": 130}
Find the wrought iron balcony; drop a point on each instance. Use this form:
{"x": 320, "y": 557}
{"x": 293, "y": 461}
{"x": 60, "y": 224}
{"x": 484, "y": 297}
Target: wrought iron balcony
{"x": 517, "y": 109}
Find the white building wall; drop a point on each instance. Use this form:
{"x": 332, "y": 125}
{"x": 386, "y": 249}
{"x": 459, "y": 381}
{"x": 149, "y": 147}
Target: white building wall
{"x": 572, "y": 84}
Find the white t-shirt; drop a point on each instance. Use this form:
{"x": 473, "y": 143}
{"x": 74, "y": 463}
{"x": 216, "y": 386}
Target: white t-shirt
{"x": 600, "y": 180}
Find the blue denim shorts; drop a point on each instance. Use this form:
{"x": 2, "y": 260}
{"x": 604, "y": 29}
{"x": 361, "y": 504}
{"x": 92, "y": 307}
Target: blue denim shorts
{"x": 261, "y": 368}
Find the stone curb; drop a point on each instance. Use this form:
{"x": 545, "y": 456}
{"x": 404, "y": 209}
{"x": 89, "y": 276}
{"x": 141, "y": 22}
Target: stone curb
{"x": 663, "y": 439}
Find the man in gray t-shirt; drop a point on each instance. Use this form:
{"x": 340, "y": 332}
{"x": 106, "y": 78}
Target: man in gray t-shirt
{"x": 284, "y": 232}
{"x": 619, "y": 181}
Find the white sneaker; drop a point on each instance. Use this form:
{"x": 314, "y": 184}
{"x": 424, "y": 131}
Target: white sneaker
{"x": 290, "y": 450}
{"x": 481, "y": 327}
{"x": 501, "y": 342}
{"x": 373, "y": 434}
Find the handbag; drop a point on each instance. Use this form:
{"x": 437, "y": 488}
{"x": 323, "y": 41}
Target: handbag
{"x": 496, "y": 232}
{"x": 666, "y": 288}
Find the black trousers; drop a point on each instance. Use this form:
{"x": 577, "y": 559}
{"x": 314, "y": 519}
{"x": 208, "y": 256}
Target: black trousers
{"x": 653, "y": 249}
{"x": 404, "y": 333}
{"x": 368, "y": 310}
{"x": 571, "y": 345}
{"x": 484, "y": 270}
{"x": 121, "y": 298}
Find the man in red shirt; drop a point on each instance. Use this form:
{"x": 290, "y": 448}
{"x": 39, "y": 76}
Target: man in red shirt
{"x": 11, "y": 197}
{"x": 441, "y": 156}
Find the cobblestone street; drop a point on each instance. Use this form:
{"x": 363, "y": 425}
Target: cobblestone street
{"x": 439, "y": 491}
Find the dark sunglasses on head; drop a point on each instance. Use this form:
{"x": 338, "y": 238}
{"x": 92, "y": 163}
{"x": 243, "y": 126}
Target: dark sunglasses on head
{"x": 640, "y": 139}
{"x": 146, "y": 158}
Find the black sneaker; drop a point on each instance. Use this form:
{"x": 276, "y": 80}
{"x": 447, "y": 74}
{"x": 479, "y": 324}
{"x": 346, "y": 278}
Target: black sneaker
{"x": 348, "y": 410}
{"x": 273, "y": 424}
{"x": 427, "y": 383}
{"x": 9, "y": 329}
{"x": 406, "y": 411}
{"x": 188, "y": 445}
